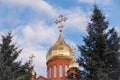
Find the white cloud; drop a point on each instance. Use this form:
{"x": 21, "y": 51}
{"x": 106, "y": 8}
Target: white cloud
{"x": 33, "y": 38}
{"x": 105, "y": 2}
{"x": 40, "y": 5}
{"x": 77, "y": 20}
{"x": 41, "y": 31}
{"x": 39, "y": 60}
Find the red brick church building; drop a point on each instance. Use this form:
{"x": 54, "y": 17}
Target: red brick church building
{"x": 60, "y": 59}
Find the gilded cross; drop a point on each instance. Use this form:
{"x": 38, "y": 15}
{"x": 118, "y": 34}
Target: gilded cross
{"x": 60, "y": 20}
{"x": 73, "y": 48}
{"x": 73, "y": 54}
{"x": 31, "y": 60}
{"x": 95, "y": 2}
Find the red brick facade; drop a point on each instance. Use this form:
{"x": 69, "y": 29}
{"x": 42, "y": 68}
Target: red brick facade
{"x": 57, "y": 62}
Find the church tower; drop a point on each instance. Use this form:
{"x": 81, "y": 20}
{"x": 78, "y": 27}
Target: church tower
{"x": 33, "y": 73}
{"x": 61, "y": 60}
{"x": 59, "y": 56}
{"x": 73, "y": 70}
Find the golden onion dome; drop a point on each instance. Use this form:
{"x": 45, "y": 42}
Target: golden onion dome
{"x": 73, "y": 64}
{"x": 60, "y": 50}
{"x": 33, "y": 72}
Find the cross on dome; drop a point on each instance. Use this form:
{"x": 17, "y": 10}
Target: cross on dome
{"x": 60, "y": 20}
{"x": 31, "y": 60}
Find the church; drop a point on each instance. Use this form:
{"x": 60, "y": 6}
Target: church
{"x": 60, "y": 59}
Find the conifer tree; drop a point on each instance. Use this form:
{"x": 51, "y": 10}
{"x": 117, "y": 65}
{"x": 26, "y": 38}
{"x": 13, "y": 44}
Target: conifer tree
{"x": 100, "y": 53}
{"x": 9, "y": 68}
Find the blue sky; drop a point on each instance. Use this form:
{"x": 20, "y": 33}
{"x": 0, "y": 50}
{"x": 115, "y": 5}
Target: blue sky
{"x": 32, "y": 23}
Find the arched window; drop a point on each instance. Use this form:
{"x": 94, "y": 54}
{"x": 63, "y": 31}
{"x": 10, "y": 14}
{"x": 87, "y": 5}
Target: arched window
{"x": 60, "y": 72}
{"x": 50, "y": 72}
{"x": 55, "y": 71}
{"x": 66, "y": 68}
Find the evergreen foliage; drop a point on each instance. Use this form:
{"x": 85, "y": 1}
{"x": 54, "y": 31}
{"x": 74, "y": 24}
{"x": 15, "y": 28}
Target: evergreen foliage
{"x": 100, "y": 53}
{"x": 9, "y": 68}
